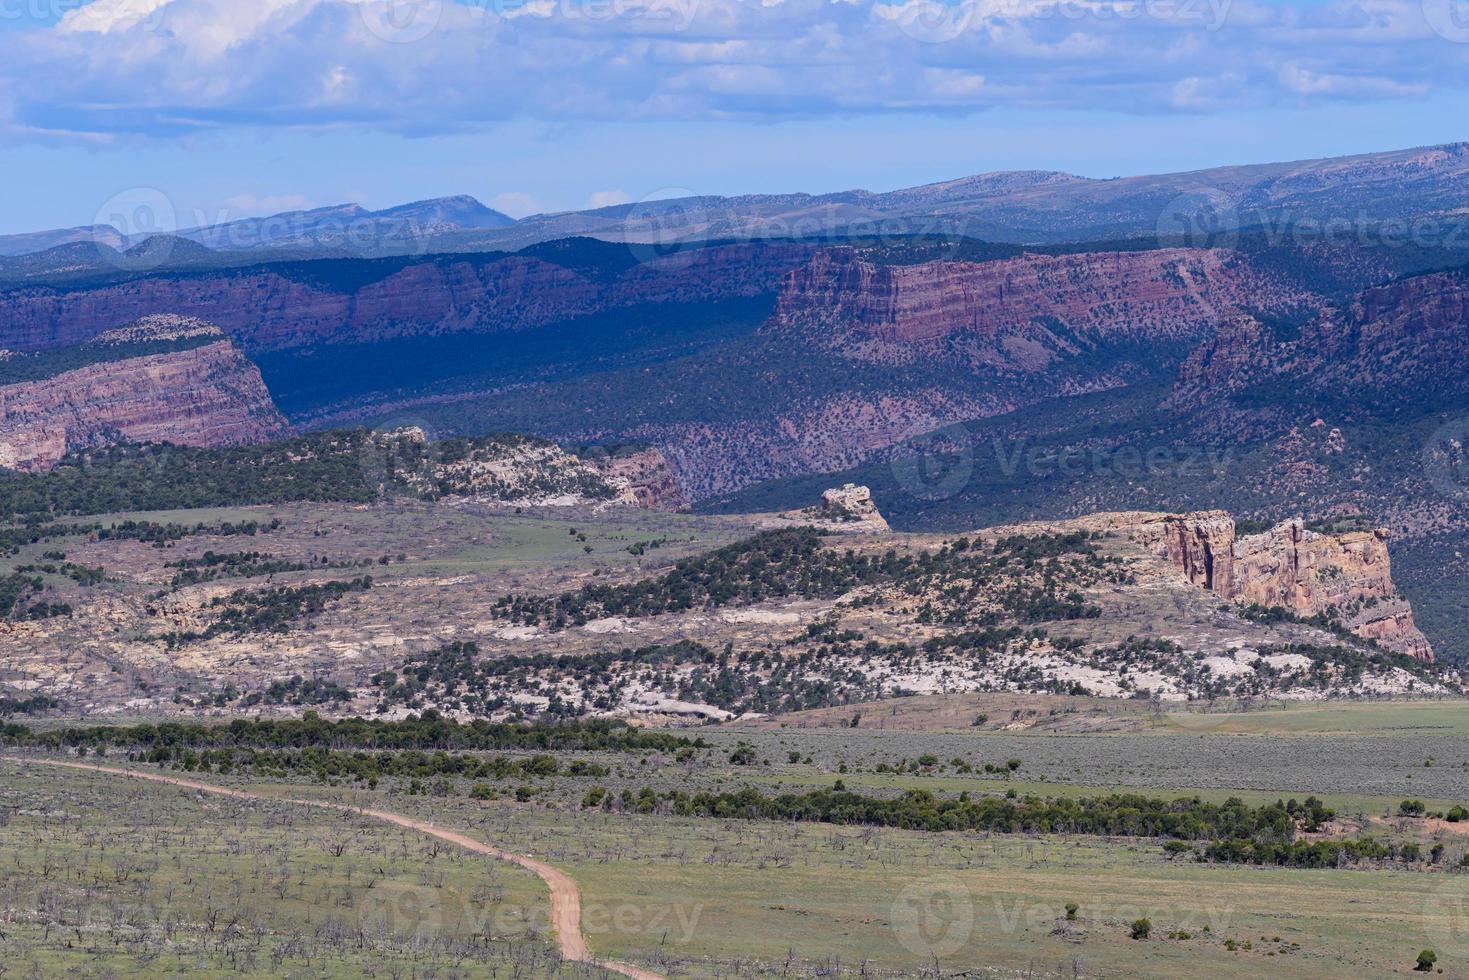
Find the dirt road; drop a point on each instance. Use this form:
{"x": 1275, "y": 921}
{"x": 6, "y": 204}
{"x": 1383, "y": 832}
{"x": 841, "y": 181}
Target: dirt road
{"x": 565, "y": 894}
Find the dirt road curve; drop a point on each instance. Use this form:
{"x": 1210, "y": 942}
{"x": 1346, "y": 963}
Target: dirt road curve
{"x": 565, "y": 895}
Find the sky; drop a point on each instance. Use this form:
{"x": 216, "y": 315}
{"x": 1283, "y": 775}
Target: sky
{"x": 219, "y": 109}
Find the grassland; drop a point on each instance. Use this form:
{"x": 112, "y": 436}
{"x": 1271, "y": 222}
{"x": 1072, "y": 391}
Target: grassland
{"x": 114, "y": 878}
{"x": 692, "y": 897}
{"x": 695, "y": 897}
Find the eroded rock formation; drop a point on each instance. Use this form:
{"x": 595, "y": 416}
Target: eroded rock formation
{"x": 205, "y": 392}
{"x": 847, "y": 509}
{"x": 1347, "y": 576}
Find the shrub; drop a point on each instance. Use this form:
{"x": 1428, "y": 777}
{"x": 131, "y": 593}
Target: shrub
{"x": 1411, "y": 808}
{"x": 1426, "y": 959}
{"x": 1071, "y": 909}
{"x": 1141, "y": 928}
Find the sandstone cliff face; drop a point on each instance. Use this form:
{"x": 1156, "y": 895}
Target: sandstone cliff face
{"x": 1201, "y": 545}
{"x": 1347, "y": 576}
{"x": 205, "y": 395}
{"x": 1031, "y": 310}
{"x": 281, "y": 308}
{"x": 879, "y": 354}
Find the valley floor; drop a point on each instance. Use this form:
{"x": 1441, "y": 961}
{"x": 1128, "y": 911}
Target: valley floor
{"x": 93, "y": 885}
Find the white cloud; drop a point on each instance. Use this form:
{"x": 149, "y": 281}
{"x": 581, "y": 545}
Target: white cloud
{"x": 171, "y": 67}
{"x": 607, "y": 199}
{"x": 515, "y": 204}
{"x": 244, "y": 205}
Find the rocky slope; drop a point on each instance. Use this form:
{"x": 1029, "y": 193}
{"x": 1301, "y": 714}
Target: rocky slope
{"x": 486, "y": 611}
{"x": 524, "y": 471}
{"x": 1392, "y": 346}
{"x": 641, "y": 475}
{"x": 161, "y": 379}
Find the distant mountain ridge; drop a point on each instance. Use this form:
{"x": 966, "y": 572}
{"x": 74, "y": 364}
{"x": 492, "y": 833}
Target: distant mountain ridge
{"x": 1025, "y": 206}
{"x": 333, "y": 225}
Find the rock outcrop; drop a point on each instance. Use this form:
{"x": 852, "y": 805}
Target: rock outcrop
{"x": 520, "y": 470}
{"x": 1346, "y": 576}
{"x": 1201, "y": 545}
{"x": 642, "y": 476}
{"x": 188, "y": 384}
{"x": 848, "y": 509}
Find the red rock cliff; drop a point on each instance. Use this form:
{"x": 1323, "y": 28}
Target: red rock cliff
{"x": 209, "y": 394}
{"x": 1049, "y": 301}
{"x": 269, "y": 309}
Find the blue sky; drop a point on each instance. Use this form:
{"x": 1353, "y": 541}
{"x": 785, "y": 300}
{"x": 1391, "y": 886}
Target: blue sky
{"x": 225, "y": 108}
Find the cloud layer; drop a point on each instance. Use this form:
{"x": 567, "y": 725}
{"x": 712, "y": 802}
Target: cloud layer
{"x": 172, "y": 67}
